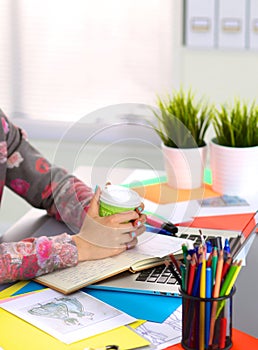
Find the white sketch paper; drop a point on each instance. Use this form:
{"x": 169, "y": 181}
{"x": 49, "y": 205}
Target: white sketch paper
{"x": 165, "y": 334}
{"x": 68, "y": 318}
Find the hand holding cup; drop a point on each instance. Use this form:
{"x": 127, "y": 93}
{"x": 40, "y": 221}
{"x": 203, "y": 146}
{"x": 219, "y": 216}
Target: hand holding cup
{"x": 114, "y": 219}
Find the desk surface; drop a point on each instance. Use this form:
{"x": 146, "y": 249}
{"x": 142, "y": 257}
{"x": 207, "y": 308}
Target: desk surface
{"x": 245, "y": 315}
{"x": 245, "y": 300}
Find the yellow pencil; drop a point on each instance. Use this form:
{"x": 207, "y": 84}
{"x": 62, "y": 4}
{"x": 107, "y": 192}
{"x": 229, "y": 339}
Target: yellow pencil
{"x": 202, "y": 303}
{"x": 233, "y": 280}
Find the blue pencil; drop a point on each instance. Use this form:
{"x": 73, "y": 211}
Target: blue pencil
{"x": 196, "y": 287}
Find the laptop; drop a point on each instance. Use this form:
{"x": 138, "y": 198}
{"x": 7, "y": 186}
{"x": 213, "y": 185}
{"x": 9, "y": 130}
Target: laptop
{"x": 159, "y": 280}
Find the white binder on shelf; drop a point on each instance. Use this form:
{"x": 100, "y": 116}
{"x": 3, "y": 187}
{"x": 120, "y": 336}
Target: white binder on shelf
{"x": 200, "y": 23}
{"x": 232, "y": 24}
{"x": 253, "y": 25}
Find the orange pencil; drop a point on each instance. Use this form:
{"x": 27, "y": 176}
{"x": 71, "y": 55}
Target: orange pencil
{"x": 218, "y": 278}
{"x": 215, "y": 294}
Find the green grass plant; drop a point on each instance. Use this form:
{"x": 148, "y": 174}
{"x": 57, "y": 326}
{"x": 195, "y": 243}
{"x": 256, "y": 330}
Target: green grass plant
{"x": 236, "y": 125}
{"x": 182, "y": 120}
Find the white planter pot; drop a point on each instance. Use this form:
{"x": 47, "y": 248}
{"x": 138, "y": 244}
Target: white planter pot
{"x": 184, "y": 166}
{"x": 234, "y": 169}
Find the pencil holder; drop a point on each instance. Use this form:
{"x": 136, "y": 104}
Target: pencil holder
{"x": 207, "y": 322}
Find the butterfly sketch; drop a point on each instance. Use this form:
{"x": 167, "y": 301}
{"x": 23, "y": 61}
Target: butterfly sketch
{"x": 68, "y": 309}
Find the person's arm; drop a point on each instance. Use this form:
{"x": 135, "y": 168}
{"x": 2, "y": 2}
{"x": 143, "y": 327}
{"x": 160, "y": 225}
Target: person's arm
{"x": 41, "y": 183}
{"x": 33, "y": 257}
{"x": 64, "y": 196}
{"x": 98, "y": 238}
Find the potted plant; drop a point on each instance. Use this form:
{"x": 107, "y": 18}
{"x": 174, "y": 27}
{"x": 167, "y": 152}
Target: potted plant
{"x": 234, "y": 149}
{"x": 182, "y": 125}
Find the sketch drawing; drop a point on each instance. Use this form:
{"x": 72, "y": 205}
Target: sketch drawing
{"x": 67, "y": 314}
{"x": 68, "y": 309}
{"x": 158, "y": 334}
{"x": 68, "y": 318}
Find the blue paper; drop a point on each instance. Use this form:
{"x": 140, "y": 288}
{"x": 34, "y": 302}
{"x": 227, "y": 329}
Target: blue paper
{"x": 149, "y": 307}
{"x": 30, "y": 287}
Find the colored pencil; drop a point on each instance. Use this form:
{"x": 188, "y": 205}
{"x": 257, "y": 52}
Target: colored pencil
{"x": 202, "y": 304}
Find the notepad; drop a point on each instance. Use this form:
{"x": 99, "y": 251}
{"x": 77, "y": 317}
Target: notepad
{"x": 151, "y": 250}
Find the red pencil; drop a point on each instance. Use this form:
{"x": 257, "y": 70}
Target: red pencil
{"x": 226, "y": 266}
{"x": 223, "y": 332}
{"x": 192, "y": 269}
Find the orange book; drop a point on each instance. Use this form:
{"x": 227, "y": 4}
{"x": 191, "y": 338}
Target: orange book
{"x": 236, "y": 222}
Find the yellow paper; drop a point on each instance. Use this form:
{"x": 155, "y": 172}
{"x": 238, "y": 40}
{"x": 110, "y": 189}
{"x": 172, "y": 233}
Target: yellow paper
{"x": 28, "y": 337}
{"x": 12, "y": 289}
{"x": 136, "y": 324}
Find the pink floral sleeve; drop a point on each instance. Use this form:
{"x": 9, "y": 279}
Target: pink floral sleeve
{"x": 33, "y": 257}
{"x": 44, "y": 185}
{"x": 30, "y": 175}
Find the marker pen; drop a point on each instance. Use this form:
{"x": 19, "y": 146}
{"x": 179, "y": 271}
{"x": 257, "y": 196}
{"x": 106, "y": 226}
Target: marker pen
{"x": 226, "y": 249}
{"x": 160, "y": 231}
{"x": 227, "y": 246}
{"x": 156, "y": 222}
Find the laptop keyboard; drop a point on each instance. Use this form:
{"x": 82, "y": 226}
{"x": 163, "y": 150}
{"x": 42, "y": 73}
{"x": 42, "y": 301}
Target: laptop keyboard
{"x": 196, "y": 238}
{"x": 159, "y": 274}
{"x": 215, "y": 240}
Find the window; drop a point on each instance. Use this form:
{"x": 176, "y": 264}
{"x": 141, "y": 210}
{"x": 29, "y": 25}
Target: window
{"x": 62, "y": 59}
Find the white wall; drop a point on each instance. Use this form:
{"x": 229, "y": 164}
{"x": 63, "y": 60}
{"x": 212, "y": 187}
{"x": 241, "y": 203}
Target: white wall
{"x": 219, "y": 74}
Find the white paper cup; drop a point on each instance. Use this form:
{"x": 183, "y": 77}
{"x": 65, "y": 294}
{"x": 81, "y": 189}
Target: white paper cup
{"x": 116, "y": 199}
